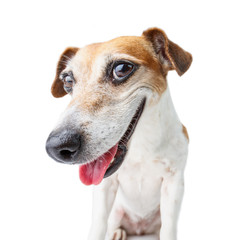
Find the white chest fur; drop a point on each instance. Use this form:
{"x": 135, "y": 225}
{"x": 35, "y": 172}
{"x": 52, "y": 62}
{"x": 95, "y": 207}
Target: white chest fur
{"x": 158, "y": 149}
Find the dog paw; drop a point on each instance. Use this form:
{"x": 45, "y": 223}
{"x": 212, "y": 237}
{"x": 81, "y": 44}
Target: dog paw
{"x": 119, "y": 234}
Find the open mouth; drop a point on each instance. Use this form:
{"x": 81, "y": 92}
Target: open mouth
{"x": 109, "y": 162}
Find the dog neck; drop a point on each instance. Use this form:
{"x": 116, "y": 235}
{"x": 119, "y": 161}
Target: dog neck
{"x": 156, "y": 128}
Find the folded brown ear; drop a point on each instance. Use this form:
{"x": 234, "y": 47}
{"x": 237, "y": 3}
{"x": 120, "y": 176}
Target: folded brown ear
{"x": 170, "y": 55}
{"x": 57, "y": 88}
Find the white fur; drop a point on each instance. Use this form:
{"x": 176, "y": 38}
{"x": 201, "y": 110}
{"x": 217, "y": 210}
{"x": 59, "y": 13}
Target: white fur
{"x": 145, "y": 194}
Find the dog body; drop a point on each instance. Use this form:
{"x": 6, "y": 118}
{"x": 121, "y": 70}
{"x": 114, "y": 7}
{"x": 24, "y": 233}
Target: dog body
{"x": 150, "y": 181}
{"x": 128, "y": 117}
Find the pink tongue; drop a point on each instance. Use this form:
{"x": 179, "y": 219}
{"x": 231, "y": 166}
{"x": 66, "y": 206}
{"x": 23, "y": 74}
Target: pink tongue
{"x": 93, "y": 172}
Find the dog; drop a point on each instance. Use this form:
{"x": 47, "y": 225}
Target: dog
{"x": 122, "y": 130}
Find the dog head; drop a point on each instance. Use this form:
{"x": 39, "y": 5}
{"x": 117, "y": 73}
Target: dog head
{"x": 110, "y": 84}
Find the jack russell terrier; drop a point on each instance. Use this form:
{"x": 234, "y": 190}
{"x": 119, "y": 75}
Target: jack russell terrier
{"x": 122, "y": 129}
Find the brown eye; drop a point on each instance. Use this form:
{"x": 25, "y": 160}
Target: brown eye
{"x": 121, "y": 71}
{"x": 68, "y": 81}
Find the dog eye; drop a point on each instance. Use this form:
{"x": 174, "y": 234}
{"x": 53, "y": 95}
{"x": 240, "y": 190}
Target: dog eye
{"x": 68, "y": 83}
{"x": 121, "y": 71}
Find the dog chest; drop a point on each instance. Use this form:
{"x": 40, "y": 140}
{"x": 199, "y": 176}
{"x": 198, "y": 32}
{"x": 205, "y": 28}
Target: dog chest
{"x": 139, "y": 185}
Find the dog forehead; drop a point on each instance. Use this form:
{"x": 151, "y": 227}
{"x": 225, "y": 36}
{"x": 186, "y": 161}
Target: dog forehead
{"x": 136, "y": 47}
{"x": 85, "y": 56}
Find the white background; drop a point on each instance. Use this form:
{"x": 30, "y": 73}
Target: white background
{"x": 41, "y": 199}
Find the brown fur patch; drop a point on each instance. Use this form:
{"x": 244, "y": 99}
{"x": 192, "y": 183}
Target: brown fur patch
{"x": 140, "y": 49}
{"x": 92, "y": 93}
{"x": 180, "y": 59}
{"x": 184, "y": 130}
{"x": 169, "y": 52}
{"x": 137, "y": 47}
{"x": 57, "y": 88}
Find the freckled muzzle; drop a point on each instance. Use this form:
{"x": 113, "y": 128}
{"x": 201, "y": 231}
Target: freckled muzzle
{"x": 122, "y": 144}
{"x": 64, "y": 145}
{"x": 68, "y": 146}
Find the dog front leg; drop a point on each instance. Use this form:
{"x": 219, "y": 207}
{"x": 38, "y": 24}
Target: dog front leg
{"x": 171, "y": 197}
{"x": 103, "y": 198}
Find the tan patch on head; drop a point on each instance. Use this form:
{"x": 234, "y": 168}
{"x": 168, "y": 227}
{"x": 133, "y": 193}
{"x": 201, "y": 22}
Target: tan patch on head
{"x": 137, "y": 47}
{"x": 141, "y": 50}
{"x": 91, "y": 92}
{"x": 184, "y": 130}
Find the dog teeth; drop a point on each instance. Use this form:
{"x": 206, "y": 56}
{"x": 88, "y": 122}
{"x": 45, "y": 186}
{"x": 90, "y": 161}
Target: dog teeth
{"x": 112, "y": 161}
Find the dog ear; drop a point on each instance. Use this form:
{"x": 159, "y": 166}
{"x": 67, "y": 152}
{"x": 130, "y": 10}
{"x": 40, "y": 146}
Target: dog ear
{"x": 170, "y": 55}
{"x": 57, "y": 88}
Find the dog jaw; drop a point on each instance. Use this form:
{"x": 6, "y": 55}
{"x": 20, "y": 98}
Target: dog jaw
{"x": 101, "y": 111}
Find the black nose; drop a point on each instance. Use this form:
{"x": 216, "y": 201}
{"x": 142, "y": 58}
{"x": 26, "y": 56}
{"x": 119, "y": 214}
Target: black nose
{"x": 63, "y": 146}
